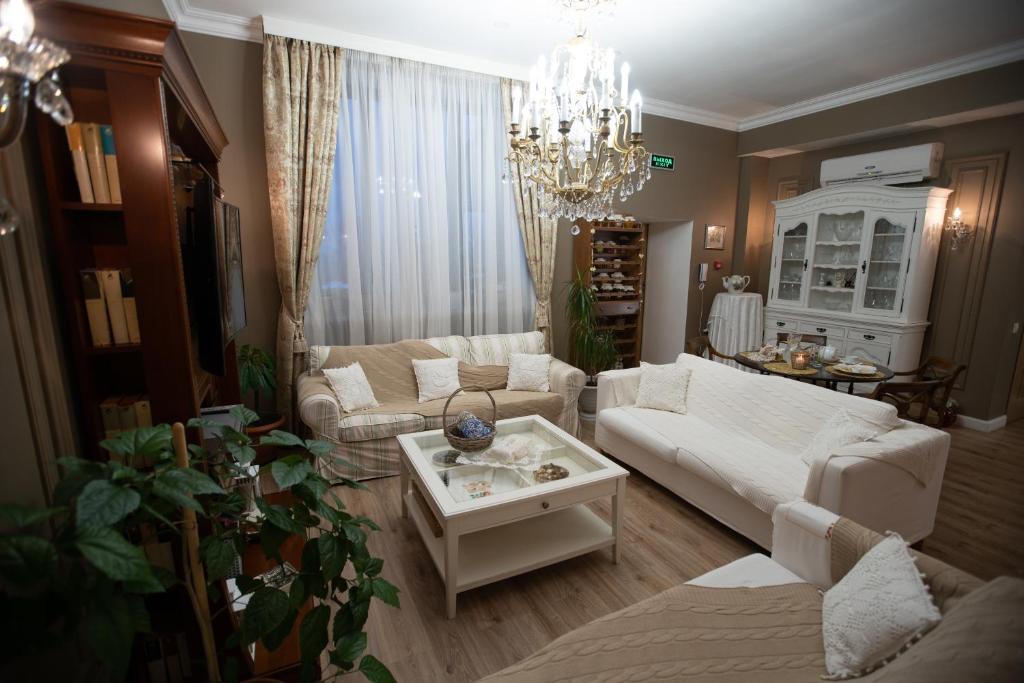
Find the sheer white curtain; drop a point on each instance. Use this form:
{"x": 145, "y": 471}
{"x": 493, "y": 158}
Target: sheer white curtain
{"x": 422, "y": 237}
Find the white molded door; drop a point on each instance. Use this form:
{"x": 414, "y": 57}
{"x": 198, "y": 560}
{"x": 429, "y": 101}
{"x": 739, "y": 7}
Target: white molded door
{"x": 789, "y": 274}
{"x": 884, "y": 262}
{"x": 835, "y": 261}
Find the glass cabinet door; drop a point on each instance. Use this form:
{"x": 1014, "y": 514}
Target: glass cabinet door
{"x": 885, "y": 265}
{"x": 837, "y": 245}
{"x": 792, "y": 264}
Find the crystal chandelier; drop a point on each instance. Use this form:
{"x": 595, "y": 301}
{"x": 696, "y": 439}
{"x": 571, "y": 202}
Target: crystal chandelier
{"x": 26, "y": 60}
{"x": 576, "y": 134}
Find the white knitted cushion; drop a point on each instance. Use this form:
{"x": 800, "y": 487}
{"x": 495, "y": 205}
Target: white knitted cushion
{"x": 878, "y": 609}
{"x": 436, "y": 378}
{"x": 351, "y": 387}
{"x": 663, "y": 387}
{"x": 529, "y": 372}
{"x": 841, "y": 429}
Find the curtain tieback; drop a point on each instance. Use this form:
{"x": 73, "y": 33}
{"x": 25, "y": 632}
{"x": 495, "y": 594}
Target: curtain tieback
{"x": 299, "y": 344}
{"x": 542, "y": 314}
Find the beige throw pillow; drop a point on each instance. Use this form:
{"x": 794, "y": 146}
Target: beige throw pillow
{"x": 663, "y": 387}
{"x": 351, "y": 387}
{"x": 436, "y": 378}
{"x": 876, "y": 611}
{"x": 529, "y": 372}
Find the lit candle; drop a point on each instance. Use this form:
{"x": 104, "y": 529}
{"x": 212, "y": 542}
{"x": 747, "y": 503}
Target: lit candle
{"x": 956, "y": 213}
{"x": 17, "y": 18}
{"x": 634, "y": 115}
{"x": 800, "y": 359}
{"x": 624, "y": 83}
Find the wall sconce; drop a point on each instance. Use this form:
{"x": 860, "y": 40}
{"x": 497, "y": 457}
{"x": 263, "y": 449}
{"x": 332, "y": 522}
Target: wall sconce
{"x": 959, "y": 231}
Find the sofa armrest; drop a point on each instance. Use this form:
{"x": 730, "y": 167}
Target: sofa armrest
{"x": 617, "y": 388}
{"x": 318, "y": 406}
{"x": 802, "y": 541}
{"x": 567, "y": 381}
{"x": 890, "y": 483}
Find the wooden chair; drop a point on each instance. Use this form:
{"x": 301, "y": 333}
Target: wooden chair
{"x": 936, "y": 377}
{"x": 701, "y": 346}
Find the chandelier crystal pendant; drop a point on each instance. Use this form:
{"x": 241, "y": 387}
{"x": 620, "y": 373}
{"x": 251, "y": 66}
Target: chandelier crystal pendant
{"x": 576, "y": 134}
{"x": 26, "y": 60}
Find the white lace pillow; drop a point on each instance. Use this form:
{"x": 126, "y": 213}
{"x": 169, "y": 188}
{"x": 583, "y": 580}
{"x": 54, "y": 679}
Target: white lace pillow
{"x": 351, "y": 387}
{"x": 529, "y": 372}
{"x": 436, "y": 378}
{"x": 663, "y": 387}
{"x": 877, "y": 610}
{"x": 842, "y": 429}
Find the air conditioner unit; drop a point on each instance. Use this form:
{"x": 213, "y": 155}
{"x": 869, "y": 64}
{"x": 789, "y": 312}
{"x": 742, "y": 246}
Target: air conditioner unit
{"x": 888, "y": 167}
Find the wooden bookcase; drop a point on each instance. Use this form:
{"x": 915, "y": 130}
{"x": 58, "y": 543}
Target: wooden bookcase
{"x": 611, "y": 253}
{"x": 131, "y": 72}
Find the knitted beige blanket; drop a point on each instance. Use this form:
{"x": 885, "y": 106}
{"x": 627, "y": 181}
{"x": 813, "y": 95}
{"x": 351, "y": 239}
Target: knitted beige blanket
{"x": 692, "y": 633}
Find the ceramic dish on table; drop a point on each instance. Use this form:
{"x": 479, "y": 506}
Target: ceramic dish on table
{"x": 855, "y": 369}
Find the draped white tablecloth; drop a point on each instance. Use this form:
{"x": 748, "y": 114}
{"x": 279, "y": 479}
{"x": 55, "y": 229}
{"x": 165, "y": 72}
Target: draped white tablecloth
{"x": 736, "y": 323}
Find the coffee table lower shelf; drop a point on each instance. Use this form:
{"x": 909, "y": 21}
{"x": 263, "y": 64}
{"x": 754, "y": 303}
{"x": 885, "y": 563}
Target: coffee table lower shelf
{"x": 502, "y": 551}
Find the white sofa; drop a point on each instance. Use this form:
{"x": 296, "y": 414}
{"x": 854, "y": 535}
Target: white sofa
{"x": 736, "y": 454}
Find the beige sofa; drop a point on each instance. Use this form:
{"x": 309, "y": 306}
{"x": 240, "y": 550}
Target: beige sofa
{"x": 366, "y": 438}
{"x": 736, "y": 453}
{"x": 759, "y": 619}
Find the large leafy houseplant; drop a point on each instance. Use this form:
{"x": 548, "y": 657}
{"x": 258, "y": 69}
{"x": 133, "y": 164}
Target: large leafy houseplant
{"x": 256, "y": 370}
{"x": 592, "y": 350}
{"x": 72, "y": 576}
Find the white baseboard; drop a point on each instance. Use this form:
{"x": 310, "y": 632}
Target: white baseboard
{"x": 981, "y": 425}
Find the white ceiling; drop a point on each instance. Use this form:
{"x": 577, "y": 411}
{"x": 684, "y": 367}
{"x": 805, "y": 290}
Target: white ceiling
{"x": 730, "y": 63}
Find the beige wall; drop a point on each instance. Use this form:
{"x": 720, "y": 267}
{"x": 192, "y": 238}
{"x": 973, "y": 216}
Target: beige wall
{"x": 231, "y": 71}
{"x": 993, "y": 356}
{"x": 702, "y": 189}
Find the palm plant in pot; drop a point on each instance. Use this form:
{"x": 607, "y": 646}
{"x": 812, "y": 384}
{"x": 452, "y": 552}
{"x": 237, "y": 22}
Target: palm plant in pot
{"x": 256, "y": 376}
{"x": 592, "y": 350}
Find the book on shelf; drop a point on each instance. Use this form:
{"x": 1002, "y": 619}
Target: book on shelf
{"x": 111, "y": 416}
{"x": 110, "y": 162}
{"x": 95, "y": 307}
{"x": 131, "y": 314}
{"x": 77, "y": 147}
{"x": 97, "y": 164}
{"x": 115, "y": 305}
{"x": 123, "y": 413}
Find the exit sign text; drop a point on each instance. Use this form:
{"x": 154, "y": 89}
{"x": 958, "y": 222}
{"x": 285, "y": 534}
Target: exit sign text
{"x": 665, "y": 163}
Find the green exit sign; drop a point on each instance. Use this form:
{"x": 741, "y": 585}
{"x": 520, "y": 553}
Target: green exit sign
{"x": 666, "y": 163}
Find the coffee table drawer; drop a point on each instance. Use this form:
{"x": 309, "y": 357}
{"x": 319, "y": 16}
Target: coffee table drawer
{"x": 503, "y": 513}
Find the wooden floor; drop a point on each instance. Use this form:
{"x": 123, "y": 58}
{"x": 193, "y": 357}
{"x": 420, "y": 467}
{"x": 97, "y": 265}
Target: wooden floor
{"x": 980, "y": 528}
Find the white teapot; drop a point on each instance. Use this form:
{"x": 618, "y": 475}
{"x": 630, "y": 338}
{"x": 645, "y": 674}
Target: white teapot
{"x": 734, "y": 284}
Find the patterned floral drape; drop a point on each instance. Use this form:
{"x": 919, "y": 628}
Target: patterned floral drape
{"x": 539, "y": 234}
{"x": 301, "y": 94}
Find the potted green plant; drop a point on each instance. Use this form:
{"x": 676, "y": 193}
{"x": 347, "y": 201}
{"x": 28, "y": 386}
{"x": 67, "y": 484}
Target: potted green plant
{"x": 256, "y": 376}
{"x": 77, "y": 583}
{"x": 592, "y": 350}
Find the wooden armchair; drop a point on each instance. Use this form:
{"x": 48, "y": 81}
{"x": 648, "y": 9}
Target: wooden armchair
{"x": 701, "y": 346}
{"x": 929, "y": 387}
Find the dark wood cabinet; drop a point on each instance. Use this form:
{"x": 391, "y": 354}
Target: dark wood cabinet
{"x": 133, "y": 73}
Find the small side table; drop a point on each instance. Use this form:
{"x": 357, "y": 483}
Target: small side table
{"x": 736, "y": 323}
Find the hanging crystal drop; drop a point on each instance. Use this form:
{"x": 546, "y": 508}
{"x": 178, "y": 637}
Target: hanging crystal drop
{"x": 574, "y": 230}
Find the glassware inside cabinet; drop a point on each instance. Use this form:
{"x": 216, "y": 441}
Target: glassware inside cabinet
{"x": 794, "y": 257}
{"x": 835, "y": 265}
{"x": 884, "y": 269}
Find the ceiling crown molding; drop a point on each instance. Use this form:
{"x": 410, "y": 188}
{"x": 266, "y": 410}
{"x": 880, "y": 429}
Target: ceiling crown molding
{"x": 681, "y": 112}
{"x": 210, "y": 22}
{"x": 958, "y": 66}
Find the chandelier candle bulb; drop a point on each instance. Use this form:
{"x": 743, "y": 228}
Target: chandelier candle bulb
{"x": 624, "y": 83}
{"x": 17, "y": 22}
{"x": 634, "y": 116}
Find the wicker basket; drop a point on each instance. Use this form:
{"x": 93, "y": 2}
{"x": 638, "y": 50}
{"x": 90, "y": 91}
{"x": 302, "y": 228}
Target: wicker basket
{"x": 461, "y": 443}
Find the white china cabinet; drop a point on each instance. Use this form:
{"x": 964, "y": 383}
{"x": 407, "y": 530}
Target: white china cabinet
{"x": 855, "y": 263}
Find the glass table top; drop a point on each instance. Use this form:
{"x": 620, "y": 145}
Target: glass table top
{"x": 526, "y": 453}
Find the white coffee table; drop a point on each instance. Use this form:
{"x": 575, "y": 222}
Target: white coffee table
{"x": 521, "y": 525}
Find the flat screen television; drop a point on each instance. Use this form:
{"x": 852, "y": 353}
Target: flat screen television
{"x": 212, "y": 258}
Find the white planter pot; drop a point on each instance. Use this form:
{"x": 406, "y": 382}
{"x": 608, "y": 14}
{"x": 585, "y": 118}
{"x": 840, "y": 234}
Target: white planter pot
{"x": 588, "y": 403}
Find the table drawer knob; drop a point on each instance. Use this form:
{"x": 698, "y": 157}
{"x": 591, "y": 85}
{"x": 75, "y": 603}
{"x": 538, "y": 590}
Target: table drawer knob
{"x": 869, "y": 337}
{"x": 822, "y": 330}
{"x": 545, "y": 505}
{"x": 780, "y": 323}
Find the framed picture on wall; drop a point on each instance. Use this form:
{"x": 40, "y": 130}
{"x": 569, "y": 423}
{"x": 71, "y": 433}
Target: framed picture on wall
{"x": 714, "y": 237}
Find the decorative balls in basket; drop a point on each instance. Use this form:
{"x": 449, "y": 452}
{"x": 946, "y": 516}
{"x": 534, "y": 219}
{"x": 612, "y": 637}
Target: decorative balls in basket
{"x": 469, "y": 433}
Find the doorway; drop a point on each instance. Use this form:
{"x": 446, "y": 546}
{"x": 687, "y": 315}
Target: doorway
{"x": 667, "y": 290}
